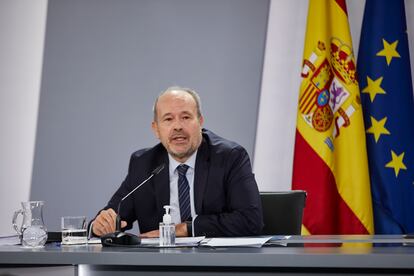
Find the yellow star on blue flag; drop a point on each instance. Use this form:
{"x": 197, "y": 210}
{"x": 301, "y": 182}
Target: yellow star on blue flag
{"x": 389, "y": 51}
{"x": 384, "y": 68}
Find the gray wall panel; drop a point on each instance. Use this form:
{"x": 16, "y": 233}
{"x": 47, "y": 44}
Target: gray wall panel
{"x": 104, "y": 63}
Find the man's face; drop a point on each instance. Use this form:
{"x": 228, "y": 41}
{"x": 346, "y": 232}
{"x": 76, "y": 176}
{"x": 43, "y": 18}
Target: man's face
{"x": 177, "y": 125}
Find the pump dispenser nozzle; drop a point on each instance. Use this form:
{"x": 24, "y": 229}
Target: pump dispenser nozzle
{"x": 167, "y": 216}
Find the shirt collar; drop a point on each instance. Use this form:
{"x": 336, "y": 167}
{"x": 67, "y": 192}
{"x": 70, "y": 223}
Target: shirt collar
{"x": 174, "y": 163}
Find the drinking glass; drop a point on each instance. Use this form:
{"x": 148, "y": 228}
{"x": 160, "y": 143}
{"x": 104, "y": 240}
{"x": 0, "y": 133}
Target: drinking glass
{"x": 74, "y": 230}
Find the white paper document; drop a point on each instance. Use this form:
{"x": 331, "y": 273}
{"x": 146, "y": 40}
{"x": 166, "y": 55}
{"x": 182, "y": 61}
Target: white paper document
{"x": 195, "y": 241}
{"x": 9, "y": 240}
{"x": 94, "y": 241}
{"x": 234, "y": 242}
{"x": 185, "y": 241}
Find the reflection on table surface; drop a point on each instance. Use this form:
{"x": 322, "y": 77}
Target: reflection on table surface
{"x": 345, "y": 241}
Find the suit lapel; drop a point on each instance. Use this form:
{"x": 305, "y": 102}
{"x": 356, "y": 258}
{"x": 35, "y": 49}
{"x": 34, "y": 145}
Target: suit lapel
{"x": 162, "y": 184}
{"x": 162, "y": 180}
{"x": 201, "y": 174}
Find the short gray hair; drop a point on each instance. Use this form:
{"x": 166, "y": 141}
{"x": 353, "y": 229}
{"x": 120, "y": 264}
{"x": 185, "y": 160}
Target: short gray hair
{"x": 192, "y": 93}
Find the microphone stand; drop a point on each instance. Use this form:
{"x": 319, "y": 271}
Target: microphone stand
{"x": 119, "y": 238}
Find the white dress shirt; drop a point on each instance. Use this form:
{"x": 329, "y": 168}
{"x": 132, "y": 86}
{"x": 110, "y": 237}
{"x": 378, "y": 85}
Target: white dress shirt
{"x": 174, "y": 202}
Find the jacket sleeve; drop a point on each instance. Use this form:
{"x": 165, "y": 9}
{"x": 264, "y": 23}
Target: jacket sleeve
{"x": 242, "y": 215}
{"x": 126, "y": 210}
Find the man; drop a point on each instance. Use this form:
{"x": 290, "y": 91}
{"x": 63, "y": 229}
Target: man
{"x": 213, "y": 194}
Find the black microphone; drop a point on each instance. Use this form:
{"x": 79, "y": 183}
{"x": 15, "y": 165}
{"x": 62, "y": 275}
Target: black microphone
{"x": 119, "y": 238}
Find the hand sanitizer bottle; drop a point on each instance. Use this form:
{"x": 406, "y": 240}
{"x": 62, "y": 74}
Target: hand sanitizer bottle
{"x": 167, "y": 229}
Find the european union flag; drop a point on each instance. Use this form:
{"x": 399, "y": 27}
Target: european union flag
{"x": 387, "y": 100}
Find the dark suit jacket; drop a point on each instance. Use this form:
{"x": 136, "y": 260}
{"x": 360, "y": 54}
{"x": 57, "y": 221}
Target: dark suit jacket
{"x": 227, "y": 199}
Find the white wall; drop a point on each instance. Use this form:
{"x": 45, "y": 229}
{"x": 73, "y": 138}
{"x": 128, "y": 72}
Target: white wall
{"x": 22, "y": 30}
{"x": 409, "y": 14}
{"x": 275, "y": 135}
{"x": 273, "y": 156}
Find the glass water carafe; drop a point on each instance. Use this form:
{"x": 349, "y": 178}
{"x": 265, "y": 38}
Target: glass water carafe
{"x": 32, "y": 231}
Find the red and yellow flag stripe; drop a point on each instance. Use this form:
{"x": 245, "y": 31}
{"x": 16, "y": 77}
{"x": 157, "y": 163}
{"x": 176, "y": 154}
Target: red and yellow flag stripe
{"x": 330, "y": 160}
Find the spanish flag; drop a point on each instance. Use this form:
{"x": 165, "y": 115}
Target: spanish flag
{"x": 330, "y": 158}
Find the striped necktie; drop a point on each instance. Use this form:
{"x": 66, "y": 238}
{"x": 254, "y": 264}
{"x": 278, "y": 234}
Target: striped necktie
{"x": 184, "y": 193}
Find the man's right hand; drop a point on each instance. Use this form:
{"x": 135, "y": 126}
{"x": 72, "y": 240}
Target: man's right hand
{"x": 105, "y": 222}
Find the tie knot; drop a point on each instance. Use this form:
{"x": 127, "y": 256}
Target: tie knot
{"x": 182, "y": 169}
